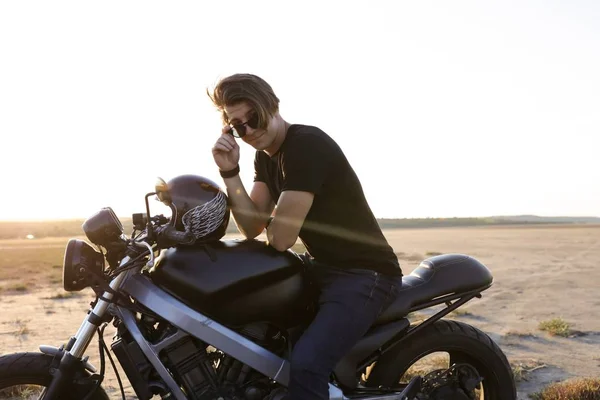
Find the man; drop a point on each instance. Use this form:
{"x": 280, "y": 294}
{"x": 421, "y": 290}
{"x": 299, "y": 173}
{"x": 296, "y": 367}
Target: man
{"x": 305, "y": 188}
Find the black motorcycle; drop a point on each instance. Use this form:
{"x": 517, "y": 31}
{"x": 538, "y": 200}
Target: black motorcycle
{"x": 218, "y": 320}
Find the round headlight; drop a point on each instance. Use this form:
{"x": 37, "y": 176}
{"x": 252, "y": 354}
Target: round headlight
{"x": 82, "y": 267}
{"x": 103, "y": 227}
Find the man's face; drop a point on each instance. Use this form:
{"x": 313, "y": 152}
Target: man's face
{"x": 258, "y": 138}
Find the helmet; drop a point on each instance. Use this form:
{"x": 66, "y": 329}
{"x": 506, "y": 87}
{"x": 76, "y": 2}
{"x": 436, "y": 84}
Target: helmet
{"x": 201, "y": 207}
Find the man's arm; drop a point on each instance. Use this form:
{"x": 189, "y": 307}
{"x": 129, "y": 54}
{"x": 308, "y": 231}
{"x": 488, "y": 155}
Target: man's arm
{"x": 292, "y": 208}
{"x": 250, "y": 212}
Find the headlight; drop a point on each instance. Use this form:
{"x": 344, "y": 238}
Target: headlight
{"x": 103, "y": 227}
{"x": 82, "y": 266}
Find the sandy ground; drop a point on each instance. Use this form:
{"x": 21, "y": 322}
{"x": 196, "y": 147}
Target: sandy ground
{"x": 540, "y": 273}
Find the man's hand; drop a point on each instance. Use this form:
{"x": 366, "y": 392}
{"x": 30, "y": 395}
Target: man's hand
{"x": 226, "y": 151}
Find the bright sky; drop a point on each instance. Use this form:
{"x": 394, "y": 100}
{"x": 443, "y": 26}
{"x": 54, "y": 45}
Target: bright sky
{"x": 444, "y": 108}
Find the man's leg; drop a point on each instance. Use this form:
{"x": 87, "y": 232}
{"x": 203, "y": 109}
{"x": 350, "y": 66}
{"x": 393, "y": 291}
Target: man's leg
{"x": 349, "y": 303}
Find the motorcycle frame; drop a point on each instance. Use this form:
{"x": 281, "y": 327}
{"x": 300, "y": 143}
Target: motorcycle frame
{"x": 460, "y": 299}
{"x": 196, "y": 324}
{"x": 191, "y": 322}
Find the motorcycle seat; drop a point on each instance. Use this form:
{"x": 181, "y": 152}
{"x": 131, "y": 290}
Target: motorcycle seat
{"x": 434, "y": 277}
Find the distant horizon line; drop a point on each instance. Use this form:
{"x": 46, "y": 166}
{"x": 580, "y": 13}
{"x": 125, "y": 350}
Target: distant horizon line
{"x": 378, "y": 218}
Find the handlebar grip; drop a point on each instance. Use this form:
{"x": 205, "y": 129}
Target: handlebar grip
{"x": 176, "y": 236}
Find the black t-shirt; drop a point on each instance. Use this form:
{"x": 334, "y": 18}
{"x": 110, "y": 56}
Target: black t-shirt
{"x": 340, "y": 228}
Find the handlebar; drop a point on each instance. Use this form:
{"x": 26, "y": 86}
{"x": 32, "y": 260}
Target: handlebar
{"x": 173, "y": 235}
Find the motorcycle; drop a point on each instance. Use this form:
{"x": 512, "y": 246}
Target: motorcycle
{"x": 219, "y": 320}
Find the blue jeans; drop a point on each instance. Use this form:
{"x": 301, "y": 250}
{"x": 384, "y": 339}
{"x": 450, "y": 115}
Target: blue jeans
{"x": 349, "y": 302}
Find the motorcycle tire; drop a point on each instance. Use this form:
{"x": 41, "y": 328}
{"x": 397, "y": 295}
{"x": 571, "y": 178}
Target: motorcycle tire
{"x": 21, "y": 369}
{"x": 463, "y": 343}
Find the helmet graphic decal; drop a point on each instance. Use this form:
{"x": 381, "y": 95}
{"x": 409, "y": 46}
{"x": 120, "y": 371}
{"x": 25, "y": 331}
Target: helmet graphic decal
{"x": 204, "y": 219}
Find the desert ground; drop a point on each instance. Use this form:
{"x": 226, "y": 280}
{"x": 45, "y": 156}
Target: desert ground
{"x": 540, "y": 273}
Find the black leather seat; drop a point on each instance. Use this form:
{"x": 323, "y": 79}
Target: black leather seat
{"x": 434, "y": 277}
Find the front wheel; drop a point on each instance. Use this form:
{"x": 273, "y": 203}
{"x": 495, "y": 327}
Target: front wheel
{"x": 26, "y": 375}
{"x": 441, "y": 345}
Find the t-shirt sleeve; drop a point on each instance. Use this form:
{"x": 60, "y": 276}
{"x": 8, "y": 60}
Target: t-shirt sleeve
{"x": 307, "y": 163}
{"x": 260, "y": 168}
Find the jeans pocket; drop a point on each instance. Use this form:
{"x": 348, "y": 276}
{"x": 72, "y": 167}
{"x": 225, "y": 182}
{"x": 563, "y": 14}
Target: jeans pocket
{"x": 373, "y": 282}
{"x": 390, "y": 296}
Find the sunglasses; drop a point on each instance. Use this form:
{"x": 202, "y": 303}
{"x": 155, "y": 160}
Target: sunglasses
{"x": 239, "y": 130}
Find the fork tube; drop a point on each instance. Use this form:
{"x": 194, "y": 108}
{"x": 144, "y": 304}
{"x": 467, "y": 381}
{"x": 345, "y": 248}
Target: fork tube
{"x": 88, "y": 327}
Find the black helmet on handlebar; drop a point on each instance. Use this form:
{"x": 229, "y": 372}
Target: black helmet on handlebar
{"x": 202, "y": 210}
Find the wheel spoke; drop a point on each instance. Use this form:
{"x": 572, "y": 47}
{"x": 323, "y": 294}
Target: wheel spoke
{"x": 43, "y": 394}
{"x": 431, "y": 362}
{"x": 21, "y": 392}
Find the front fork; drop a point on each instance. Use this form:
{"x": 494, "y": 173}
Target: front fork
{"x": 71, "y": 360}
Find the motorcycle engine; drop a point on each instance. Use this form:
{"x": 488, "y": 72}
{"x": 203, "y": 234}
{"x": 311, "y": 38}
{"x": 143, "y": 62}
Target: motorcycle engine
{"x": 256, "y": 385}
{"x": 188, "y": 360}
{"x": 207, "y": 374}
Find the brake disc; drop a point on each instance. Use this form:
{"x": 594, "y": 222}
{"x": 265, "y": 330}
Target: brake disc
{"x": 455, "y": 383}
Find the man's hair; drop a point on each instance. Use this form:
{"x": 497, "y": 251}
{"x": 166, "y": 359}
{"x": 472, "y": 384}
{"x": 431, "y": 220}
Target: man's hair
{"x": 245, "y": 88}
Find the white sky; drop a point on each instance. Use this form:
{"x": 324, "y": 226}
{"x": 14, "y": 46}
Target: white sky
{"x": 444, "y": 108}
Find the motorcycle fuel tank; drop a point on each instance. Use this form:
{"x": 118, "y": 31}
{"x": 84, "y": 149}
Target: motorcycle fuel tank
{"x": 236, "y": 281}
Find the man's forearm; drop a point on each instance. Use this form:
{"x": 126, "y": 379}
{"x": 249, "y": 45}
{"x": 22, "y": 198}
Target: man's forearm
{"x": 248, "y": 218}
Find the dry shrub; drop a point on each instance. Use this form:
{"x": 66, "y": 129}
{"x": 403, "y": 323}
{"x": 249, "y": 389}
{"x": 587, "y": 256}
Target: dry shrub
{"x": 572, "y": 389}
{"x": 556, "y": 326}
{"x": 522, "y": 369}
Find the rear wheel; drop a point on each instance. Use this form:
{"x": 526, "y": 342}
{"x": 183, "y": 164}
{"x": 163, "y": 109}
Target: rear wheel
{"x": 440, "y": 345}
{"x": 24, "y": 376}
